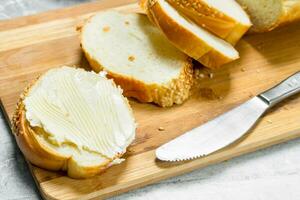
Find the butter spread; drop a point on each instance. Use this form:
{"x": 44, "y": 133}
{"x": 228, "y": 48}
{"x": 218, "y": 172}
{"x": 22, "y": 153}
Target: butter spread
{"x": 82, "y": 108}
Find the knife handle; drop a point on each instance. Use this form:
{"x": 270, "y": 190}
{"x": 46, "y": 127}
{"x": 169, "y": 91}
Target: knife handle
{"x": 283, "y": 90}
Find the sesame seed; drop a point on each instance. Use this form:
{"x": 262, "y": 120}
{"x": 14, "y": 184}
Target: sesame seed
{"x": 201, "y": 75}
{"x": 161, "y": 128}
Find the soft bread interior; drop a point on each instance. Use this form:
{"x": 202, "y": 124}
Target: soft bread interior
{"x": 231, "y": 8}
{"x": 80, "y": 115}
{"x": 209, "y": 39}
{"x": 263, "y": 13}
{"x": 128, "y": 44}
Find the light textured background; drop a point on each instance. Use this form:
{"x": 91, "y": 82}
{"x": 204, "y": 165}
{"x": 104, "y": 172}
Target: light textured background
{"x": 273, "y": 173}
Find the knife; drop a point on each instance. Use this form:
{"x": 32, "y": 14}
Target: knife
{"x": 228, "y": 127}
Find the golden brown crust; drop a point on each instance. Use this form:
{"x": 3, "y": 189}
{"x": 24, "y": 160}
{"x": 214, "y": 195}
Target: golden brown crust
{"x": 143, "y": 5}
{"x": 214, "y": 60}
{"x": 42, "y": 155}
{"x": 175, "y": 92}
{"x": 185, "y": 40}
{"x": 237, "y": 33}
{"x": 75, "y": 170}
{"x": 289, "y": 15}
{"x": 211, "y": 19}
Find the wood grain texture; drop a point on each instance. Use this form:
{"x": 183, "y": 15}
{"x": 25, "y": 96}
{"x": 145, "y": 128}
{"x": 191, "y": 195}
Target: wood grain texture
{"x": 31, "y": 45}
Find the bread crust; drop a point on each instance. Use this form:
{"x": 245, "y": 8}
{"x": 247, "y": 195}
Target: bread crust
{"x": 211, "y": 19}
{"x": 175, "y": 92}
{"x": 214, "y": 60}
{"x": 43, "y": 156}
{"x": 143, "y": 6}
{"x": 185, "y": 40}
{"x": 290, "y": 12}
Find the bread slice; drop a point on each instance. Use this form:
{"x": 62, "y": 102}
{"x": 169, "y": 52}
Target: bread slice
{"x": 138, "y": 57}
{"x": 226, "y": 20}
{"x": 189, "y": 37}
{"x": 73, "y": 120}
{"x": 269, "y": 14}
{"x": 143, "y": 4}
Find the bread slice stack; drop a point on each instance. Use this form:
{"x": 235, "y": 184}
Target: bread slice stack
{"x": 225, "y": 19}
{"x": 269, "y": 14}
{"x": 138, "y": 57}
{"x": 73, "y": 120}
{"x": 203, "y": 29}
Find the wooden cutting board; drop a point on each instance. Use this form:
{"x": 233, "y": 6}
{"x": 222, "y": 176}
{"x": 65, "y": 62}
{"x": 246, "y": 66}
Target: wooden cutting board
{"x": 31, "y": 45}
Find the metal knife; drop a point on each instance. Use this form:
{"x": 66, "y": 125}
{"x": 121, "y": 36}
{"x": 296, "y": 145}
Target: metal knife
{"x": 228, "y": 127}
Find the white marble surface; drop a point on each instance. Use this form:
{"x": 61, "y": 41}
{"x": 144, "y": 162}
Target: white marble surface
{"x": 273, "y": 173}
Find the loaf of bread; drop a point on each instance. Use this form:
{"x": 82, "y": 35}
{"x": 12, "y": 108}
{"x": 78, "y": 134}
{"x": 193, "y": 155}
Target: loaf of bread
{"x": 138, "y": 57}
{"x": 226, "y": 19}
{"x": 269, "y": 14}
{"x": 190, "y": 38}
{"x": 73, "y": 120}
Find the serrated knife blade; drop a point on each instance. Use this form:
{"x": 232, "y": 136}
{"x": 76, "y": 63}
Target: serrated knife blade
{"x": 228, "y": 127}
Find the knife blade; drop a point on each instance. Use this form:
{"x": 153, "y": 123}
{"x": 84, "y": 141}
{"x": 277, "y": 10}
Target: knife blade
{"x": 228, "y": 127}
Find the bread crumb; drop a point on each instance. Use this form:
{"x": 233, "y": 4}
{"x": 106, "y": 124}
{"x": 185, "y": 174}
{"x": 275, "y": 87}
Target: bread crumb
{"x": 131, "y": 58}
{"x": 127, "y": 22}
{"x": 161, "y": 128}
{"x": 116, "y": 161}
{"x": 270, "y": 121}
{"x": 210, "y": 75}
{"x": 257, "y": 71}
{"x": 243, "y": 69}
{"x": 106, "y": 29}
{"x": 199, "y": 75}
